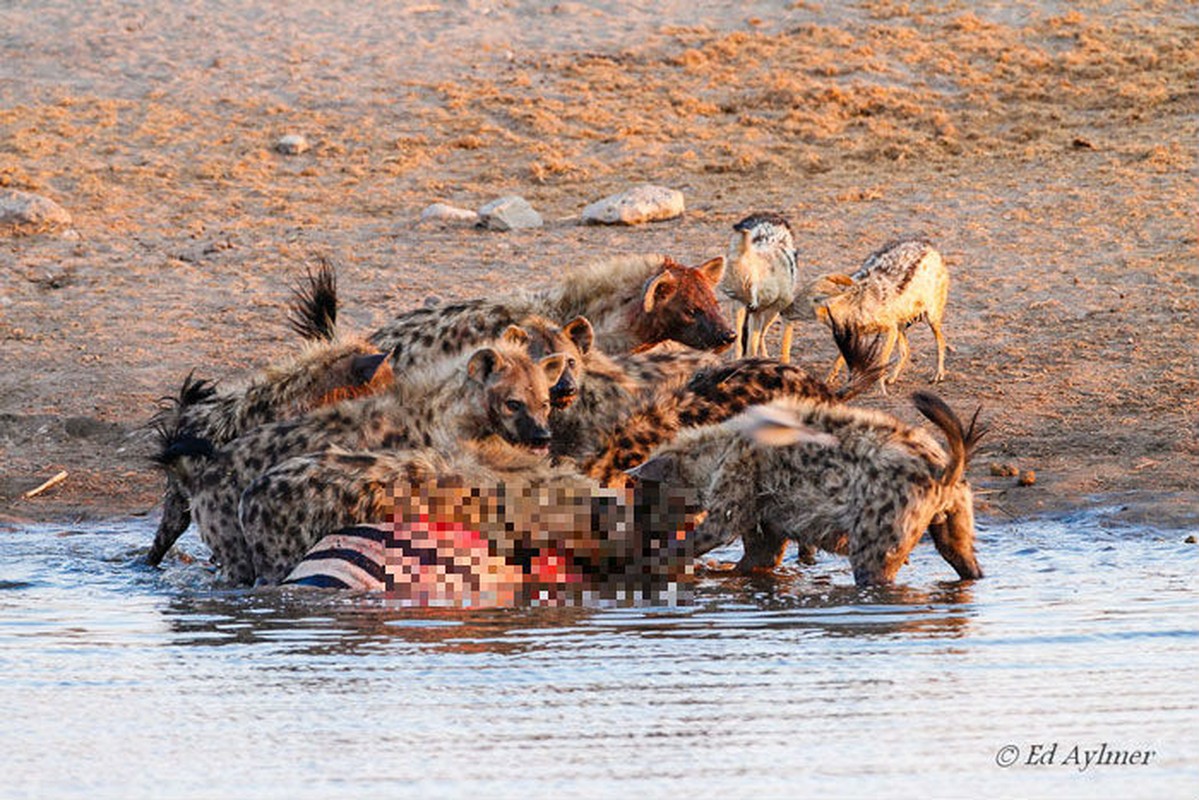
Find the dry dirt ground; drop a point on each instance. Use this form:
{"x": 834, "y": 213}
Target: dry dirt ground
{"x": 1049, "y": 150}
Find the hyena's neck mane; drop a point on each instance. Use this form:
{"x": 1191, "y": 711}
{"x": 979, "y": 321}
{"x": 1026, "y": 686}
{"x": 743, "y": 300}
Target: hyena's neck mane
{"x": 601, "y": 291}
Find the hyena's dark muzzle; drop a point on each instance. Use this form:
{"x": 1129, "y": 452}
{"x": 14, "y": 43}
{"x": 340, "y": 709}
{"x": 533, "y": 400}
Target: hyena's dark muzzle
{"x": 565, "y": 391}
{"x": 532, "y": 433}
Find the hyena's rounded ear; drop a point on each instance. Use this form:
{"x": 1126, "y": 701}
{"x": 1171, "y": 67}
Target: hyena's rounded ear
{"x": 483, "y": 364}
{"x": 659, "y": 469}
{"x": 712, "y": 270}
{"x": 658, "y": 290}
{"x": 579, "y": 331}
{"x": 553, "y": 365}
{"x": 514, "y": 334}
{"x": 364, "y": 367}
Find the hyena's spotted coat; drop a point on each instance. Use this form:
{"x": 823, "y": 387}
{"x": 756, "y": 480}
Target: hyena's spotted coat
{"x": 527, "y": 509}
{"x": 632, "y": 303}
{"x": 495, "y": 390}
{"x": 330, "y": 369}
{"x": 715, "y": 393}
{"x": 832, "y": 477}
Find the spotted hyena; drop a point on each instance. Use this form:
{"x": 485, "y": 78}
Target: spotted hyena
{"x": 533, "y": 517}
{"x": 833, "y": 477}
{"x": 717, "y": 392}
{"x": 331, "y": 368}
{"x": 631, "y": 303}
{"x": 498, "y": 389}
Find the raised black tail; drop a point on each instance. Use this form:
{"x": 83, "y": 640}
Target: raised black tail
{"x": 962, "y": 441}
{"x": 313, "y": 312}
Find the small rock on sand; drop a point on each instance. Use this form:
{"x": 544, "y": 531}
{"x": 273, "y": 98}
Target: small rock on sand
{"x": 1027, "y": 478}
{"x": 443, "y": 212}
{"x": 292, "y": 144}
{"x": 509, "y": 213}
{"x": 22, "y": 212}
{"x": 635, "y": 206}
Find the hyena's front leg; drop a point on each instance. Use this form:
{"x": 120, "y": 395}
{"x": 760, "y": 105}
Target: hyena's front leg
{"x": 764, "y": 549}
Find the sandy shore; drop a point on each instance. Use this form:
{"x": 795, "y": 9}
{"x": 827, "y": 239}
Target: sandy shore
{"x": 1048, "y": 152}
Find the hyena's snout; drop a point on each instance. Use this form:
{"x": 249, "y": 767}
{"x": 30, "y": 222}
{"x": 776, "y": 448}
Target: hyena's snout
{"x": 532, "y": 433}
{"x": 565, "y": 391}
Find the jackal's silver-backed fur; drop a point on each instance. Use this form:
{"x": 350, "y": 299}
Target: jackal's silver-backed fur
{"x": 833, "y": 477}
{"x": 903, "y": 282}
{"x": 332, "y": 367}
{"x": 497, "y": 389}
{"x": 760, "y": 277}
{"x": 631, "y": 302}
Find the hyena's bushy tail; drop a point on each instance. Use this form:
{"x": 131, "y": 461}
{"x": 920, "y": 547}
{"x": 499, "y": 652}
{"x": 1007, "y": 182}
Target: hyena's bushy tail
{"x": 313, "y": 312}
{"x": 174, "y": 440}
{"x": 962, "y": 440}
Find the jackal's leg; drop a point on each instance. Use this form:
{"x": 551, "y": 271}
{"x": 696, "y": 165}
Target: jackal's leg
{"x": 939, "y": 375}
{"x": 904, "y": 353}
{"x": 788, "y": 332}
{"x": 742, "y": 342}
{"x": 836, "y": 370}
{"x": 885, "y": 357}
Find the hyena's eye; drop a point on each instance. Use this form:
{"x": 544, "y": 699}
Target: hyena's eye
{"x": 570, "y": 362}
{"x": 514, "y": 405}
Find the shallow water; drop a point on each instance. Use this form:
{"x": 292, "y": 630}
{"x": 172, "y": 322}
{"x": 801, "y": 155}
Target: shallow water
{"x": 121, "y": 680}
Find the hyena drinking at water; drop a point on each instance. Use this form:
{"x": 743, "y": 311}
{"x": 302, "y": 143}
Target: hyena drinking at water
{"x": 497, "y": 389}
{"x": 632, "y": 303}
{"x": 331, "y": 368}
{"x": 826, "y": 475}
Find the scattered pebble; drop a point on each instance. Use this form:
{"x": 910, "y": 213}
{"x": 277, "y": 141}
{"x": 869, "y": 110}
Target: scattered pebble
{"x": 1000, "y": 470}
{"x": 1191, "y": 539}
{"x": 509, "y": 213}
{"x": 292, "y": 144}
{"x": 635, "y": 206}
{"x": 443, "y": 212}
{"x": 1027, "y": 478}
{"x": 432, "y": 301}
{"x": 22, "y": 212}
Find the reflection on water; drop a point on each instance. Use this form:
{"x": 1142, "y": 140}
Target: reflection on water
{"x": 123, "y": 680}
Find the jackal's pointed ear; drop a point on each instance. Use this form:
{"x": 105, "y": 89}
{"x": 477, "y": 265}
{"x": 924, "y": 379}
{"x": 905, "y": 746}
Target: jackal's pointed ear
{"x": 514, "y": 334}
{"x": 772, "y": 426}
{"x": 659, "y": 469}
{"x": 579, "y": 331}
{"x": 483, "y": 364}
{"x": 659, "y": 290}
{"x": 839, "y": 279}
{"x": 363, "y": 368}
{"x": 553, "y": 365}
{"x": 712, "y": 270}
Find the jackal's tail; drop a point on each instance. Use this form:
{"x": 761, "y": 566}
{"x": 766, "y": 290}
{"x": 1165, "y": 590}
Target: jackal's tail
{"x": 862, "y": 356}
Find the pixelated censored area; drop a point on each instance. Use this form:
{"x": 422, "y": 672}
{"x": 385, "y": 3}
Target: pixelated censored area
{"x": 508, "y": 545}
